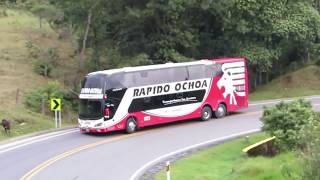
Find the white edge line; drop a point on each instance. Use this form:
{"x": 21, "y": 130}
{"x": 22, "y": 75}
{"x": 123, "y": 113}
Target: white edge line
{"x": 15, "y": 145}
{"x": 141, "y": 170}
{"x": 6, "y": 145}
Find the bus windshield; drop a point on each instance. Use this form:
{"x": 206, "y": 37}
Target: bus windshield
{"x": 90, "y": 109}
{"x": 94, "y": 81}
{"x": 103, "y": 82}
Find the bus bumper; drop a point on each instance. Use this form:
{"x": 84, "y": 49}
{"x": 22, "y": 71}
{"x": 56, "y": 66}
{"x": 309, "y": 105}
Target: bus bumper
{"x": 94, "y": 130}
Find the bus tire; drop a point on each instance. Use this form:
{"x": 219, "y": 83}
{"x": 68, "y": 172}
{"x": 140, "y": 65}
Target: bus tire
{"x": 131, "y": 125}
{"x": 221, "y": 111}
{"x": 206, "y": 113}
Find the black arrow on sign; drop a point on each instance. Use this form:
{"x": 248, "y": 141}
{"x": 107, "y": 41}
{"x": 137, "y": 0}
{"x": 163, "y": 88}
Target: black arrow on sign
{"x": 56, "y": 104}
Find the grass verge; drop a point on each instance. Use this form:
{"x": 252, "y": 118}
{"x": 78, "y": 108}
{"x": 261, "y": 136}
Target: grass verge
{"x": 226, "y": 161}
{"x": 24, "y": 121}
{"x": 303, "y": 82}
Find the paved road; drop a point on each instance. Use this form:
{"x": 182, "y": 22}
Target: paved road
{"x": 118, "y": 156}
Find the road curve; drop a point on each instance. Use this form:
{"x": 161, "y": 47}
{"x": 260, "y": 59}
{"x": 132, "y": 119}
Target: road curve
{"x": 117, "y": 156}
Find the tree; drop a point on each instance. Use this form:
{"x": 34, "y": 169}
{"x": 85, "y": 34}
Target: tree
{"x": 286, "y": 121}
{"x": 269, "y": 33}
{"x": 266, "y": 31}
{"x": 44, "y": 10}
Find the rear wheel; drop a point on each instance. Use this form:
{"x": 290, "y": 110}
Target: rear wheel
{"x": 206, "y": 113}
{"x": 221, "y": 111}
{"x": 131, "y": 125}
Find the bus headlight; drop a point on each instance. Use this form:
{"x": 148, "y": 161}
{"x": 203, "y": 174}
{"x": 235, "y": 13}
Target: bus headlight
{"x": 97, "y": 125}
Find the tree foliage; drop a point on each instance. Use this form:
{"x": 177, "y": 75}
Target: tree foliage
{"x": 311, "y": 151}
{"x": 286, "y": 121}
{"x": 34, "y": 99}
{"x": 267, "y": 32}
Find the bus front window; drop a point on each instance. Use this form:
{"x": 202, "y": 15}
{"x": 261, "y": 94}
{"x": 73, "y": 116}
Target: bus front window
{"x": 90, "y": 109}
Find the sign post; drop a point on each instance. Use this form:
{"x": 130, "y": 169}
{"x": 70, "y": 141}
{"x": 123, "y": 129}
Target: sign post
{"x": 168, "y": 170}
{"x": 56, "y": 107}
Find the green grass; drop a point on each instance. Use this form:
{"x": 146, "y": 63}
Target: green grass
{"x": 227, "y": 161}
{"x": 303, "y": 82}
{"x": 16, "y": 29}
{"x": 24, "y": 121}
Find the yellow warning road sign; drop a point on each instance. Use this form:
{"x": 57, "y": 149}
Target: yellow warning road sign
{"x": 55, "y": 104}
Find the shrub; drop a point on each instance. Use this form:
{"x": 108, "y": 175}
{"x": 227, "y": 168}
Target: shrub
{"x": 42, "y": 67}
{"x": 33, "y": 50}
{"x": 311, "y": 151}
{"x": 34, "y": 99}
{"x": 285, "y": 121}
{"x": 44, "y": 59}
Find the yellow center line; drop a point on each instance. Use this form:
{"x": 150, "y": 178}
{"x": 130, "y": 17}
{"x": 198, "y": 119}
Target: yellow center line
{"x": 66, "y": 154}
{"x": 49, "y": 162}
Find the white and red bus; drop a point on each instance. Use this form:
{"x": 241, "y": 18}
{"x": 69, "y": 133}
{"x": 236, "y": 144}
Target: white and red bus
{"x": 133, "y": 97}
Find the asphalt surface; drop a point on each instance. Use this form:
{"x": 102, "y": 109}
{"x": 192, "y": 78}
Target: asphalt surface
{"x": 117, "y": 156}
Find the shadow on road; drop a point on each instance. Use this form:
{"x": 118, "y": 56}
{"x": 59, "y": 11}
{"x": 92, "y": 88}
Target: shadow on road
{"x": 159, "y": 126}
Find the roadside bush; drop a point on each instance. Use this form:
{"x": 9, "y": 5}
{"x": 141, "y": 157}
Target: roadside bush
{"x": 42, "y": 67}
{"x": 311, "y": 150}
{"x": 286, "y": 120}
{"x": 34, "y": 99}
{"x": 44, "y": 59}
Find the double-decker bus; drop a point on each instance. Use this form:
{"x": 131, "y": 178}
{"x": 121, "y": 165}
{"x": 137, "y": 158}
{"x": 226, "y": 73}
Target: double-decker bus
{"x": 133, "y": 97}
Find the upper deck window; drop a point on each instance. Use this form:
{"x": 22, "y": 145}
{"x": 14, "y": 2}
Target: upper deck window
{"x": 196, "y": 72}
{"x": 94, "y": 81}
{"x": 159, "y": 76}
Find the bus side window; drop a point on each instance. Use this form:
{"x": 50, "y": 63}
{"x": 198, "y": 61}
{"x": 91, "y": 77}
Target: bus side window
{"x": 129, "y": 80}
{"x": 147, "y": 100}
{"x": 213, "y": 70}
{"x": 218, "y": 70}
{"x": 179, "y": 95}
{"x": 177, "y": 74}
{"x": 115, "y": 81}
{"x": 196, "y": 72}
{"x": 158, "y": 76}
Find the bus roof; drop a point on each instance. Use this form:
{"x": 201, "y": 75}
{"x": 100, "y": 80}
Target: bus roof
{"x": 167, "y": 65}
{"x": 156, "y": 66}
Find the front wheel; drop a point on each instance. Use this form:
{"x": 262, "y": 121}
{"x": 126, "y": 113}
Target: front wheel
{"x": 221, "y": 111}
{"x": 206, "y": 113}
{"x": 131, "y": 125}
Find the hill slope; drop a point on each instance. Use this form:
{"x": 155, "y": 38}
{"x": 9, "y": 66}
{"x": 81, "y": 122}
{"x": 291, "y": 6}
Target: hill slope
{"x": 16, "y": 30}
{"x": 16, "y": 71}
{"x": 303, "y": 82}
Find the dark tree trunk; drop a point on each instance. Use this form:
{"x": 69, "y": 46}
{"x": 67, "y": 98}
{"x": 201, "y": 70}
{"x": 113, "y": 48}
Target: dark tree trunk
{"x": 85, "y": 37}
{"x": 255, "y": 82}
{"x": 260, "y": 77}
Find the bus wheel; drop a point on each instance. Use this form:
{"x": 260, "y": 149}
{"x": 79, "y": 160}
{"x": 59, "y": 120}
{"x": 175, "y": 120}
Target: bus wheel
{"x": 221, "y": 111}
{"x": 131, "y": 125}
{"x": 206, "y": 113}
